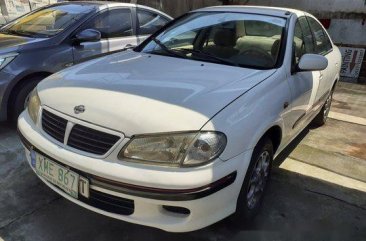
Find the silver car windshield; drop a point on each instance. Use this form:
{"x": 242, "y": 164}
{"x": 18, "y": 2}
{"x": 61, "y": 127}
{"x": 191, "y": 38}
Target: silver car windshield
{"x": 238, "y": 39}
{"x": 47, "y": 22}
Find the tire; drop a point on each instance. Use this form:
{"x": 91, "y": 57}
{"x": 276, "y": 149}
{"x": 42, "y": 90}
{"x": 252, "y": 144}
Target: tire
{"x": 249, "y": 202}
{"x": 18, "y": 102}
{"x": 322, "y": 117}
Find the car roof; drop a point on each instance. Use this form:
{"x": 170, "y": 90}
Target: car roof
{"x": 272, "y": 11}
{"x": 107, "y": 4}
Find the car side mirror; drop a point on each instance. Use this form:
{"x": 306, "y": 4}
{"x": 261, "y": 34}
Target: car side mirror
{"x": 312, "y": 62}
{"x": 88, "y": 35}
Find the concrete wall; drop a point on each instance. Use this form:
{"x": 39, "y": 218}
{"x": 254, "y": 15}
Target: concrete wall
{"x": 321, "y": 8}
{"x": 348, "y": 31}
{"x": 175, "y": 8}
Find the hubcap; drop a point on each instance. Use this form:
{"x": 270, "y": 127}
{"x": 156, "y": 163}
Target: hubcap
{"x": 258, "y": 179}
{"x": 327, "y": 105}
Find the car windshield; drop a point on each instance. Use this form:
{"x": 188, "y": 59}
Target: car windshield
{"x": 47, "y": 22}
{"x": 237, "y": 39}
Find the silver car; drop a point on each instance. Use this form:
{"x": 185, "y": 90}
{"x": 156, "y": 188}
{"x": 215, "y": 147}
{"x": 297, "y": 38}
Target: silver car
{"x": 52, "y": 38}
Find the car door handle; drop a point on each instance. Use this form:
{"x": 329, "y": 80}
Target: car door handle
{"x": 321, "y": 76}
{"x": 129, "y": 46}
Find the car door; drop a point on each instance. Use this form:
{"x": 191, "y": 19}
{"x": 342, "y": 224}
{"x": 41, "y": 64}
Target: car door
{"x": 323, "y": 46}
{"x": 117, "y": 31}
{"x": 148, "y": 22}
{"x": 304, "y": 85}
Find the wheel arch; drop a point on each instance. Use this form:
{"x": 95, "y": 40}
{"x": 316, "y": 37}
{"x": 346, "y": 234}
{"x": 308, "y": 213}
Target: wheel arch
{"x": 19, "y": 84}
{"x": 275, "y": 135}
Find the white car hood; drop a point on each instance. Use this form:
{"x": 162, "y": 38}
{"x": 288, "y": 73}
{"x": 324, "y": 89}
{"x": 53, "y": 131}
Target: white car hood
{"x": 138, "y": 93}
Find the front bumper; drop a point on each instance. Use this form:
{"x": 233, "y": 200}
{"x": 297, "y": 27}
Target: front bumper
{"x": 209, "y": 193}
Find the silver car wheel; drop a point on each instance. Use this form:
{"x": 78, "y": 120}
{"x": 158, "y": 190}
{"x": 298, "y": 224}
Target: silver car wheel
{"x": 258, "y": 180}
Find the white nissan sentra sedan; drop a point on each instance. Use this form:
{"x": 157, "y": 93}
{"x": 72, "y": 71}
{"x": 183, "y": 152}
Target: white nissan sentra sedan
{"x": 181, "y": 131}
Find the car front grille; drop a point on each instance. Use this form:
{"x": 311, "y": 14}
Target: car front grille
{"x": 89, "y": 140}
{"x": 54, "y": 125}
{"x": 81, "y": 137}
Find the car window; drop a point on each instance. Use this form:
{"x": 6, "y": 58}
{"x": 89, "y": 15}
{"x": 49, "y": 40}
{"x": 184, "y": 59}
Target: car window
{"x": 222, "y": 38}
{"x": 303, "y": 40}
{"x": 149, "y": 22}
{"x": 113, "y": 23}
{"x": 48, "y": 22}
{"x": 322, "y": 42}
{"x": 308, "y": 36}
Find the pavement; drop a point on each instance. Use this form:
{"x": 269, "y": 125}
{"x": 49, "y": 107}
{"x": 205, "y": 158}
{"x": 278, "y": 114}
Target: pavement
{"x": 317, "y": 191}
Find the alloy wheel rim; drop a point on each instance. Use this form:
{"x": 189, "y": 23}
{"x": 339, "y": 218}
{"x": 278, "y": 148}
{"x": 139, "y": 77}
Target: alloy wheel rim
{"x": 258, "y": 180}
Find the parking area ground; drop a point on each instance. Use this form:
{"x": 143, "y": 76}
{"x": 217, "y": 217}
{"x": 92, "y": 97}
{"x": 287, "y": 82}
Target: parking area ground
{"x": 317, "y": 192}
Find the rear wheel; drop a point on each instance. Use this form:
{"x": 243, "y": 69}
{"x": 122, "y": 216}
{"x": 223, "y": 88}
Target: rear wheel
{"x": 322, "y": 117}
{"x": 255, "y": 182}
{"x": 19, "y": 101}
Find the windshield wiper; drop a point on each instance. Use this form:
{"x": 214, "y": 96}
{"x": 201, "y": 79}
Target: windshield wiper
{"x": 211, "y": 56}
{"x": 166, "y": 49}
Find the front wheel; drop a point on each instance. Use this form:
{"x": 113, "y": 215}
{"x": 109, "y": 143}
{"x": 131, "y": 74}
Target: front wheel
{"x": 255, "y": 182}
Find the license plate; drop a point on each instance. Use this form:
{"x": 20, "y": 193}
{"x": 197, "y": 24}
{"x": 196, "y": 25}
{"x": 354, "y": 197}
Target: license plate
{"x": 69, "y": 181}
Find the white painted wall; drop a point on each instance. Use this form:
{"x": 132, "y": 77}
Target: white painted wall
{"x": 353, "y": 6}
{"x": 348, "y": 31}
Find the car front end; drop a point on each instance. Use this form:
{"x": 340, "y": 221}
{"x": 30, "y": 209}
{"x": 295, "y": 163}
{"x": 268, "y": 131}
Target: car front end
{"x": 168, "y": 198}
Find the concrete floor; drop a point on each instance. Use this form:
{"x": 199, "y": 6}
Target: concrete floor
{"x": 317, "y": 192}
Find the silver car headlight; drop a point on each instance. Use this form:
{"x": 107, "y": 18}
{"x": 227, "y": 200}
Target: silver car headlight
{"x": 34, "y": 103}
{"x": 6, "y": 59}
{"x": 175, "y": 149}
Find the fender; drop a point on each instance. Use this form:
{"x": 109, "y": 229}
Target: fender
{"x": 249, "y": 117}
{"x": 12, "y": 85}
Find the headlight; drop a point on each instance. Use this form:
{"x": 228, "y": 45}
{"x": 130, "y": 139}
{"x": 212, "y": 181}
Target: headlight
{"x": 34, "y": 103}
{"x": 179, "y": 150}
{"x": 6, "y": 59}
